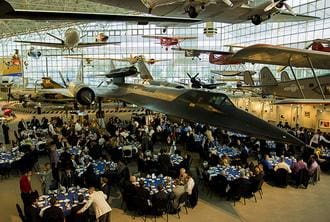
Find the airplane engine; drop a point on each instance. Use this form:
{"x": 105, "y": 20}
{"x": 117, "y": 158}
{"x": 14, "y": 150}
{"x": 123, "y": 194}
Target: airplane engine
{"x": 83, "y": 94}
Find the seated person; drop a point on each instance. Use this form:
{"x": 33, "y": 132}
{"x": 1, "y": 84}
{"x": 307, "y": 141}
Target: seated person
{"x": 79, "y": 217}
{"x": 312, "y": 166}
{"x": 189, "y": 183}
{"x": 282, "y": 165}
{"x": 32, "y": 212}
{"x": 52, "y": 213}
{"x": 178, "y": 190}
{"x": 299, "y": 165}
{"x": 266, "y": 163}
{"x": 225, "y": 160}
{"x": 182, "y": 175}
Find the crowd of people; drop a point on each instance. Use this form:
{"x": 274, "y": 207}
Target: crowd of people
{"x": 105, "y": 144}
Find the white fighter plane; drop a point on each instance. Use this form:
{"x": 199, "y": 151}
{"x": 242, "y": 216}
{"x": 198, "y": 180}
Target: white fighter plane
{"x": 225, "y": 11}
{"x": 71, "y": 40}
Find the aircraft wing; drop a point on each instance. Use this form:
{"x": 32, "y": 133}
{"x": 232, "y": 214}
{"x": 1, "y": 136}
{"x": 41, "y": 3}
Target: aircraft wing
{"x": 196, "y": 105}
{"x": 64, "y": 92}
{"x": 92, "y": 44}
{"x": 202, "y": 51}
{"x": 287, "y": 17}
{"x": 8, "y": 12}
{"x": 278, "y": 55}
{"x": 302, "y": 101}
{"x": 45, "y": 44}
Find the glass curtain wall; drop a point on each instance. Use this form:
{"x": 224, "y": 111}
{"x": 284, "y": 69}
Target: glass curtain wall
{"x": 52, "y": 61}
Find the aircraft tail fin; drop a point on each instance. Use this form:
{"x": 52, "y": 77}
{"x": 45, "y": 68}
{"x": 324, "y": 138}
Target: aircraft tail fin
{"x": 112, "y": 64}
{"x": 267, "y": 78}
{"x": 80, "y": 71}
{"x": 144, "y": 71}
{"x": 267, "y": 81}
{"x": 284, "y": 76}
{"x": 247, "y": 78}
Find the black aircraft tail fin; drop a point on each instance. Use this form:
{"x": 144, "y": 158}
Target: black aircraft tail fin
{"x": 247, "y": 78}
{"x": 285, "y": 76}
{"x": 144, "y": 71}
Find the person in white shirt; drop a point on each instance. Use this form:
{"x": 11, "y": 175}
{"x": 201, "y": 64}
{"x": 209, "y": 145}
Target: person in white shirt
{"x": 189, "y": 184}
{"x": 101, "y": 207}
{"x": 282, "y": 165}
{"x": 317, "y": 138}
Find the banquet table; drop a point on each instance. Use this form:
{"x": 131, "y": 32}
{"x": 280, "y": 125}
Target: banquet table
{"x": 176, "y": 159}
{"x": 99, "y": 167}
{"x": 231, "y": 172}
{"x": 275, "y": 160}
{"x": 221, "y": 150}
{"x": 152, "y": 182}
{"x": 73, "y": 150}
{"x": 7, "y": 158}
{"x": 66, "y": 199}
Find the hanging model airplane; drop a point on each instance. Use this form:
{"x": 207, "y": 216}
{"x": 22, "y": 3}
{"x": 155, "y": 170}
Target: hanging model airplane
{"x": 288, "y": 88}
{"x": 71, "y": 40}
{"x": 224, "y": 11}
{"x": 132, "y": 59}
{"x": 34, "y": 53}
{"x": 267, "y": 54}
{"x": 197, "y": 83}
{"x": 166, "y": 41}
{"x": 8, "y": 12}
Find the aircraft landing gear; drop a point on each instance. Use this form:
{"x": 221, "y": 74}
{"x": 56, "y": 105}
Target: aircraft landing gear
{"x": 192, "y": 12}
{"x": 256, "y": 19}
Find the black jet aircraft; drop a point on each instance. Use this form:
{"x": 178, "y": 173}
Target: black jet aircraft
{"x": 211, "y": 108}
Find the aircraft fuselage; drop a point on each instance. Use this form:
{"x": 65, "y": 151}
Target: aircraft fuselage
{"x": 71, "y": 38}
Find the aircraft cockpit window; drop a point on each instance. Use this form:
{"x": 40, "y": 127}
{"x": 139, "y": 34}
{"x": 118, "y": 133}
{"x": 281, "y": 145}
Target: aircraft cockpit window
{"x": 218, "y": 100}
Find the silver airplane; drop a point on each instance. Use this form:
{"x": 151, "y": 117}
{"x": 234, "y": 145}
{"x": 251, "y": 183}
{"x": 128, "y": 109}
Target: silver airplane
{"x": 71, "y": 40}
{"x": 225, "y": 11}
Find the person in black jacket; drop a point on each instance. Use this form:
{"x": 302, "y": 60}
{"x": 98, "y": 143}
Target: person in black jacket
{"x": 79, "y": 217}
{"x": 164, "y": 162}
{"x": 32, "y": 212}
{"x": 53, "y": 213}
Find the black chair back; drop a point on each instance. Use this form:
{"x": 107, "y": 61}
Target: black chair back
{"x": 281, "y": 177}
{"x": 20, "y": 213}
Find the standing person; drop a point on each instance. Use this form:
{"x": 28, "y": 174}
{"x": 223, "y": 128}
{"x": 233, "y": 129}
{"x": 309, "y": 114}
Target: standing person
{"x": 5, "y": 130}
{"x": 101, "y": 207}
{"x": 26, "y": 189}
{"x": 317, "y": 138}
{"x": 54, "y": 161}
{"x": 46, "y": 178}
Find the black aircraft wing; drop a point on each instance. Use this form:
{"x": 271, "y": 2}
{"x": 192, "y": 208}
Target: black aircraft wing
{"x": 211, "y": 108}
{"x": 8, "y": 12}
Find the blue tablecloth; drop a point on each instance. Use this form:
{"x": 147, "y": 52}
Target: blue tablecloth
{"x": 99, "y": 167}
{"x": 176, "y": 159}
{"x": 66, "y": 200}
{"x": 275, "y": 160}
{"x": 221, "y": 150}
{"x": 6, "y": 158}
{"x": 231, "y": 172}
{"x": 152, "y": 183}
{"x": 73, "y": 151}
